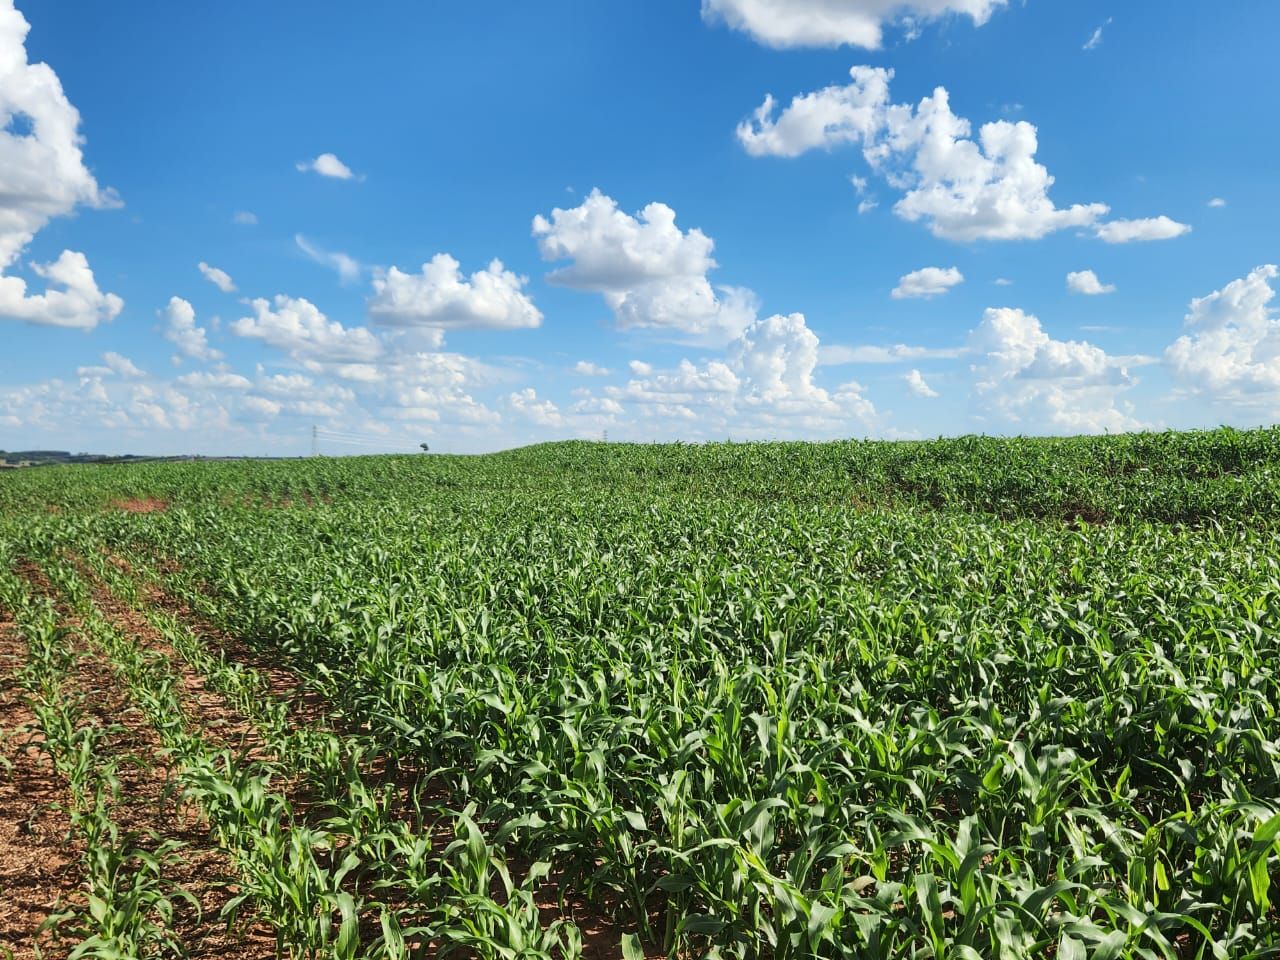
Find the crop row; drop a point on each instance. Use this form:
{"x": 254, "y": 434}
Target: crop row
{"x": 352, "y": 872}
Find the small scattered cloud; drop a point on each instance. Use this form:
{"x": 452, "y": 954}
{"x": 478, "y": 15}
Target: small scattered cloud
{"x": 245, "y": 218}
{"x": 1141, "y": 231}
{"x": 585, "y": 368}
{"x": 1086, "y": 282}
{"x": 526, "y": 405}
{"x": 1217, "y": 203}
{"x": 347, "y": 267}
{"x": 219, "y": 278}
{"x": 122, "y": 366}
{"x": 926, "y": 283}
{"x": 113, "y": 365}
{"x": 328, "y": 165}
{"x": 1095, "y": 39}
{"x": 180, "y": 329}
{"x": 204, "y": 380}
{"x": 917, "y": 384}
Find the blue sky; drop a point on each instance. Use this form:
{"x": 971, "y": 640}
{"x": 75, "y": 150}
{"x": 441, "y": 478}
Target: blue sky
{"x": 1011, "y": 217}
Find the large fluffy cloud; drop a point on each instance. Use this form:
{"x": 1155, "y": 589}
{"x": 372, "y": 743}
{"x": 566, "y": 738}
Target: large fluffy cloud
{"x": 853, "y": 113}
{"x": 962, "y": 187}
{"x": 297, "y": 326}
{"x": 763, "y": 386}
{"x": 651, "y": 273}
{"x": 1232, "y": 352}
{"x": 833, "y": 23}
{"x": 1026, "y": 378}
{"x": 440, "y": 296}
{"x": 72, "y": 298}
{"x": 42, "y": 176}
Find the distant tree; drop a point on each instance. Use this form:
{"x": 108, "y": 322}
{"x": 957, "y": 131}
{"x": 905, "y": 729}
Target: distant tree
{"x": 424, "y": 447}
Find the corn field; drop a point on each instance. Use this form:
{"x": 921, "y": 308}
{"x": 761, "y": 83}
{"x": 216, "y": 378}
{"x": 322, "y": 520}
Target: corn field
{"x": 950, "y": 699}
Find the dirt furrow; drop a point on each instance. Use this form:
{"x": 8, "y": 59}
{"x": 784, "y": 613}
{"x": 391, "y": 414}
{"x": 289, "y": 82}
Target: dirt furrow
{"x": 40, "y": 871}
{"x": 151, "y": 810}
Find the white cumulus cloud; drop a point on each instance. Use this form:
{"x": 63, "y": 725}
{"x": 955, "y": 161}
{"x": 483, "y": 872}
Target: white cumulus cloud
{"x": 327, "y": 165}
{"x": 219, "y": 278}
{"x": 1134, "y": 231}
{"x": 42, "y": 176}
{"x": 651, "y": 273}
{"x": 833, "y": 23}
{"x": 586, "y": 368}
{"x": 926, "y": 283}
{"x": 763, "y": 386}
{"x": 1232, "y": 349}
{"x": 439, "y": 295}
{"x": 297, "y": 326}
{"x": 122, "y": 366}
{"x": 180, "y": 329}
{"x": 1087, "y": 283}
{"x": 961, "y": 186}
{"x": 254, "y": 407}
{"x": 854, "y": 113}
{"x": 71, "y": 298}
{"x": 526, "y": 405}
{"x": 917, "y": 384}
{"x": 113, "y": 365}
{"x": 1042, "y": 385}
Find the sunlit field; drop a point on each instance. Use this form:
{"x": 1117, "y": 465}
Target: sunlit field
{"x": 969, "y": 698}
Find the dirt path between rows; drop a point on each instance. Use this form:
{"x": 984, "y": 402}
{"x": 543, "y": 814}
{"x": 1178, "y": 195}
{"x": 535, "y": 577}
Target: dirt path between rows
{"x": 40, "y": 872}
{"x": 151, "y": 810}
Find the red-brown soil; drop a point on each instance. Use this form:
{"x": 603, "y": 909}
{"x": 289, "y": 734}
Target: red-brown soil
{"x": 141, "y": 505}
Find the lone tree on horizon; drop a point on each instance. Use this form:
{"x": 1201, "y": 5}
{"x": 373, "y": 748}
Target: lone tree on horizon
{"x": 424, "y": 447}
